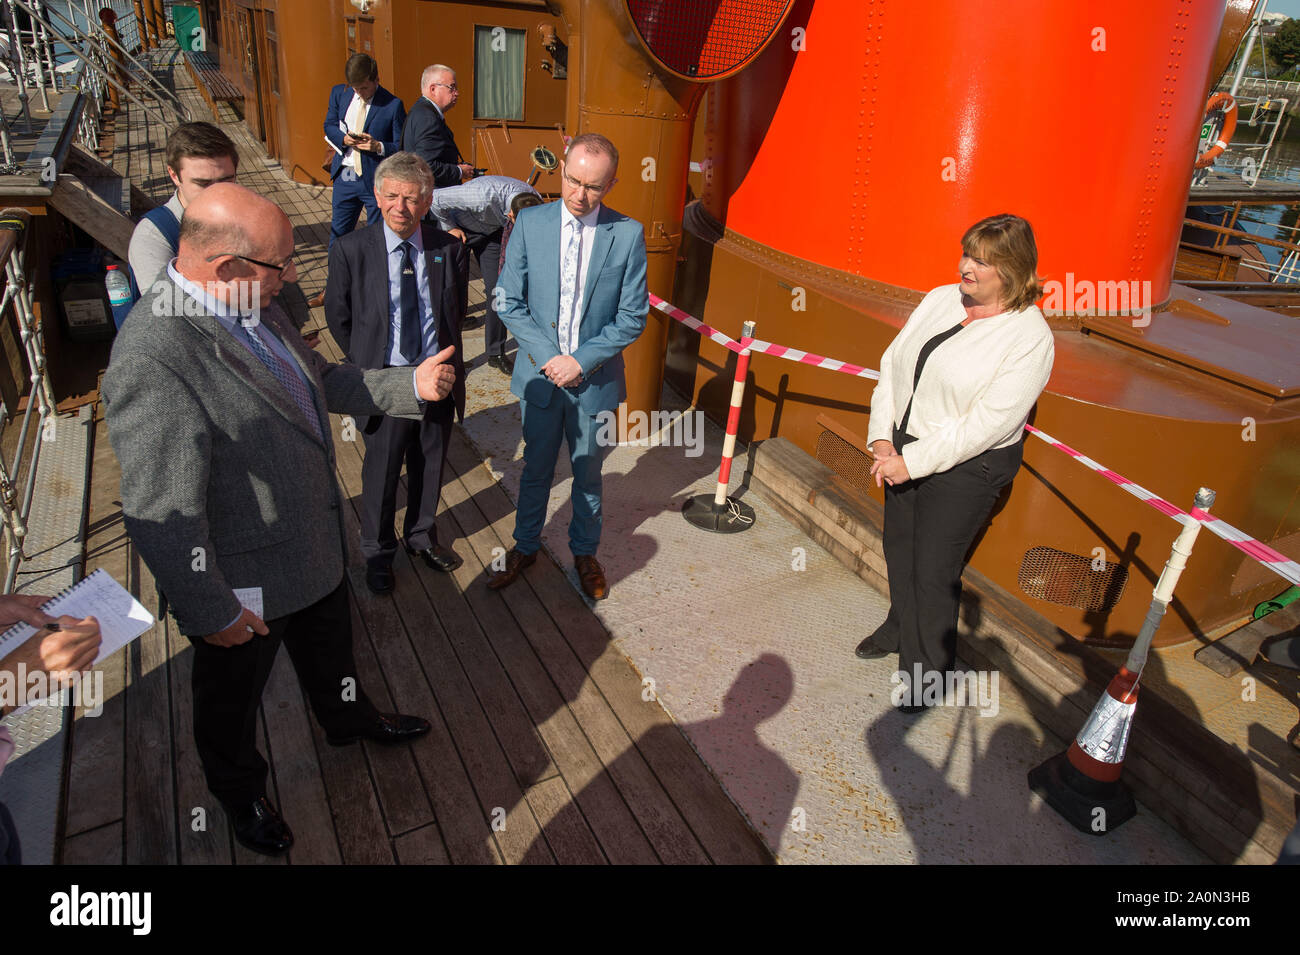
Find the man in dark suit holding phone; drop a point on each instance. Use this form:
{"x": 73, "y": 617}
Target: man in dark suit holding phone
{"x": 397, "y": 293}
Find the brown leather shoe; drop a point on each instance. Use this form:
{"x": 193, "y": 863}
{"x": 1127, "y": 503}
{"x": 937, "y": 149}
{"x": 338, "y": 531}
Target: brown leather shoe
{"x": 316, "y": 301}
{"x": 592, "y": 576}
{"x": 515, "y": 564}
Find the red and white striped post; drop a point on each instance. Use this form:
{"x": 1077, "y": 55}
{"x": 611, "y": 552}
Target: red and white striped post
{"x": 717, "y": 512}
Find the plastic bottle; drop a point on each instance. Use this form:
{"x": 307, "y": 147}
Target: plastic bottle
{"x": 119, "y": 293}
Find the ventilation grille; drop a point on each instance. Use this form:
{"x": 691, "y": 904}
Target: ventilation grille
{"x": 1069, "y": 579}
{"x": 848, "y": 461}
{"x": 705, "y": 38}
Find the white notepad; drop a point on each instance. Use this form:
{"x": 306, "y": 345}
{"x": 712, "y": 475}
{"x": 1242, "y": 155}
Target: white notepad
{"x": 121, "y": 617}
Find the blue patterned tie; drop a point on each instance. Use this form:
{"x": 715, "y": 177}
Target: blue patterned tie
{"x": 285, "y": 376}
{"x": 412, "y": 340}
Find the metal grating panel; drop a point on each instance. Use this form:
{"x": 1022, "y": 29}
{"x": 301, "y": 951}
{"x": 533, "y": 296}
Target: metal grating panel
{"x": 705, "y": 38}
{"x": 848, "y": 461}
{"x": 1069, "y": 579}
{"x": 32, "y": 782}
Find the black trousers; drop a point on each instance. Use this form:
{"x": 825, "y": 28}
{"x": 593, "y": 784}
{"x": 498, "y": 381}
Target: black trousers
{"x": 487, "y": 250}
{"x": 930, "y": 523}
{"x": 422, "y": 445}
{"x": 228, "y": 684}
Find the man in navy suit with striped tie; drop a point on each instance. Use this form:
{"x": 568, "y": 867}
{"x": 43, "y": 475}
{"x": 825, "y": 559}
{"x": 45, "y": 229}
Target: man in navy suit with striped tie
{"x": 396, "y": 294}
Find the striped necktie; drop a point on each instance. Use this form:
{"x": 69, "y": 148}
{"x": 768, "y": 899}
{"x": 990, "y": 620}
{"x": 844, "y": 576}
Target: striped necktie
{"x": 285, "y": 375}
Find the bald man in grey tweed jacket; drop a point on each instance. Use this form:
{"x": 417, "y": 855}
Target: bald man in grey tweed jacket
{"x": 219, "y": 417}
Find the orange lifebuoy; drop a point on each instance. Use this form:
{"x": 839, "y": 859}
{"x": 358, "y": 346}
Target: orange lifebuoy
{"x": 1229, "y": 105}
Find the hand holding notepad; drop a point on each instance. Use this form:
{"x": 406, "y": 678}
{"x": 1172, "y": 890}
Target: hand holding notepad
{"x": 121, "y": 617}
{"x": 70, "y": 645}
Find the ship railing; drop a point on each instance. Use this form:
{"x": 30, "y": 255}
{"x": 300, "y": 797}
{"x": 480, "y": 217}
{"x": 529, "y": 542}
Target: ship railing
{"x": 18, "y": 473}
{"x": 1285, "y": 272}
{"x": 1268, "y": 87}
{"x": 1250, "y": 160}
{"x": 30, "y": 49}
{"x": 104, "y": 45}
{"x": 99, "y": 55}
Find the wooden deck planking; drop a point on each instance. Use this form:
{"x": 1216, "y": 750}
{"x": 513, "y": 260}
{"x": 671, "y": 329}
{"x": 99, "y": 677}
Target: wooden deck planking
{"x": 402, "y": 803}
{"x": 714, "y": 820}
{"x": 428, "y": 675}
{"x": 102, "y": 846}
{"x": 150, "y": 797}
{"x": 563, "y": 826}
{"x": 660, "y": 821}
{"x": 95, "y": 768}
{"x": 422, "y": 846}
{"x": 291, "y": 752}
{"x": 584, "y": 773}
{"x": 204, "y": 837}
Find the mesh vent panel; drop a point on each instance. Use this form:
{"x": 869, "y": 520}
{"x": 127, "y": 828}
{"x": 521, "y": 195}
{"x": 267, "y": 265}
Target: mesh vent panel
{"x": 1069, "y": 579}
{"x": 705, "y": 38}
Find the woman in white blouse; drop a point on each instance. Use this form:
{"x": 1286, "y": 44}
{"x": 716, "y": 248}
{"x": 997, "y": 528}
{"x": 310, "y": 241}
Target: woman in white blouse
{"x": 947, "y": 421}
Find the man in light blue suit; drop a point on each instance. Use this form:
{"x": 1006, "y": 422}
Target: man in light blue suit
{"x": 573, "y": 294}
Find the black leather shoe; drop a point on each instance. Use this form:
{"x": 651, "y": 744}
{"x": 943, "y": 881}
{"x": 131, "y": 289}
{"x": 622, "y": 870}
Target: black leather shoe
{"x": 260, "y": 828}
{"x": 379, "y": 578}
{"x": 869, "y": 651}
{"x": 387, "y": 728}
{"x": 439, "y": 558}
{"x": 502, "y": 363}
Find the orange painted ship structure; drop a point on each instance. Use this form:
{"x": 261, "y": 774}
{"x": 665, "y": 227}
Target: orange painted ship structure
{"x": 840, "y": 171}
{"x": 841, "y": 147}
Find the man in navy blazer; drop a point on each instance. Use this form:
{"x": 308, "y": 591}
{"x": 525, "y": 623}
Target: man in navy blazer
{"x": 397, "y": 292}
{"x": 364, "y": 124}
{"x": 573, "y": 294}
{"x": 426, "y": 132}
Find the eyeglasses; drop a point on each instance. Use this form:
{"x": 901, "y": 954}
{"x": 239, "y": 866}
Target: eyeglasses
{"x": 450, "y": 86}
{"x": 593, "y": 190}
{"x": 281, "y": 269}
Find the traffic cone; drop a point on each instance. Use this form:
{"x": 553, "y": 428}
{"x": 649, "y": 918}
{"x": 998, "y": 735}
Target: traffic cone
{"x": 1083, "y": 783}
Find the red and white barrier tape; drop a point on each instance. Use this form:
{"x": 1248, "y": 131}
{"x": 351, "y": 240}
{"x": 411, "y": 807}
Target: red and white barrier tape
{"x": 758, "y": 345}
{"x": 1280, "y": 564}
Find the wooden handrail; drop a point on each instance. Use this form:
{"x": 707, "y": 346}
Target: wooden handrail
{"x": 1237, "y": 233}
{"x": 14, "y": 224}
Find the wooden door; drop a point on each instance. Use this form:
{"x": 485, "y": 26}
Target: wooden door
{"x": 253, "y": 109}
{"x": 269, "y": 78}
{"x": 366, "y": 35}
{"x": 360, "y": 35}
